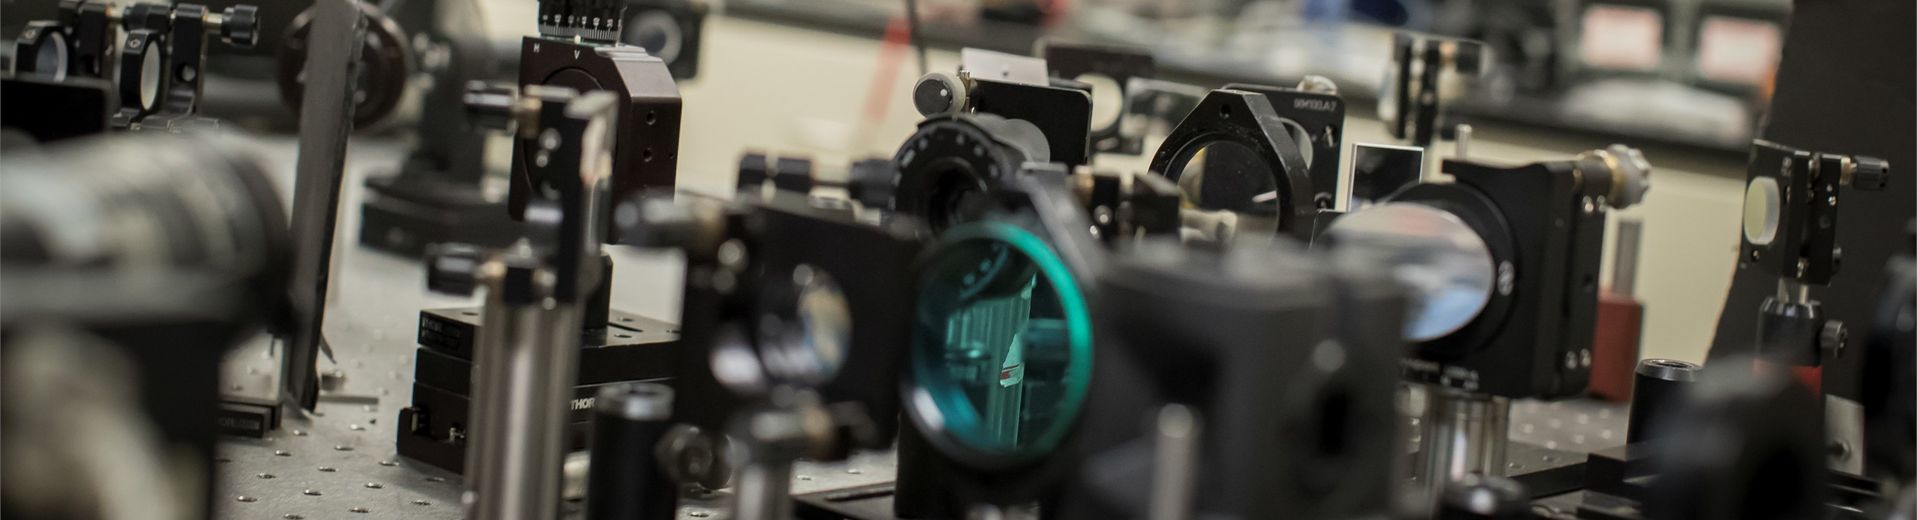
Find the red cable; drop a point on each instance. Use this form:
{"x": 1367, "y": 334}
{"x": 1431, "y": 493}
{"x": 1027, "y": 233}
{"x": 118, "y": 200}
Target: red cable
{"x": 878, "y": 96}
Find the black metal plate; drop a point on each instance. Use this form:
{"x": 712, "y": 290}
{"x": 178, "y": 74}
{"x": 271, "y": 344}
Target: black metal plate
{"x": 1063, "y": 114}
{"x": 1544, "y": 471}
{"x": 872, "y": 501}
{"x": 456, "y": 331}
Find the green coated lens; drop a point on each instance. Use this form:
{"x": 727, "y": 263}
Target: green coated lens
{"x": 1001, "y": 353}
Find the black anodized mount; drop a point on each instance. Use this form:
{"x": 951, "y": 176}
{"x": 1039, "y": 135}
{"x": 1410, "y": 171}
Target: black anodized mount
{"x": 646, "y": 151}
{"x": 1533, "y": 339}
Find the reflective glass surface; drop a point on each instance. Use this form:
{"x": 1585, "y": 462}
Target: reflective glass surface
{"x": 1002, "y": 342}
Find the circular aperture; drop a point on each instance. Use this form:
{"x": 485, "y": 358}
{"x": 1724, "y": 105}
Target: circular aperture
{"x": 150, "y": 74}
{"x": 579, "y": 81}
{"x": 50, "y": 58}
{"x": 957, "y": 193}
{"x": 1445, "y": 263}
{"x": 1001, "y": 354}
{"x": 1108, "y": 100}
{"x": 1229, "y": 176}
{"x": 1762, "y": 204}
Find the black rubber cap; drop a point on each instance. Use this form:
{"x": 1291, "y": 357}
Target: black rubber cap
{"x": 1871, "y": 175}
{"x": 490, "y": 106}
{"x": 793, "y": 174}
{"x": 754, "y": 169}
{"x": 240, "y": 26}
{"x": 874, "y": 182}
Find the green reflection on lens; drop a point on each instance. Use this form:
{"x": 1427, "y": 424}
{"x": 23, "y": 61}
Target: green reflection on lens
{"x": 1002, "y": 342}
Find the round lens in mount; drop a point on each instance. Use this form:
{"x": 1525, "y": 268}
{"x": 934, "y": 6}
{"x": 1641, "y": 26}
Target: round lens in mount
{"x": 1001, "y": 354}
{"x": 1441, "y": 259}
{"x": 50, "y": 58}
{"x": 1762, "y": 206}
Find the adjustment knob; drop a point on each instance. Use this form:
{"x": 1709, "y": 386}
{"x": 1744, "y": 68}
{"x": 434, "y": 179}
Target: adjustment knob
{"x": 453, "y": 269}
{"x": 1630, "y": 176}
{"x": 873, "y": 182}
{"x": 491, "y": 106}
{"x": 1316, "y": 84}
{"x": 695, "y": 457}
{"x": 754, "y": 169}
{"x": 793, "y": 174}
{"x": 938, "y": 93}
{"x": 1869, "y": 173}
{"x": 1831, "y": 339}
{"x": 240, "y": 26}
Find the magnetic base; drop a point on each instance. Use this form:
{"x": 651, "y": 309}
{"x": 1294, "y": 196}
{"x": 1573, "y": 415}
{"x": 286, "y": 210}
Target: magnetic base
{"x": 403, "y": 217}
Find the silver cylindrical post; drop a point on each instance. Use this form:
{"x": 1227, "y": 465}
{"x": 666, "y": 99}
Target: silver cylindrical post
{"x": 762, "y": 491}
{"x": 1461, "y": 143}
{"x": 771, "y": 439}
{"x": 1630, "y": 235}
{"x": 523, "y": 373}
{"x": 1175, "y": 462}
{"x": 1462, "y": 433}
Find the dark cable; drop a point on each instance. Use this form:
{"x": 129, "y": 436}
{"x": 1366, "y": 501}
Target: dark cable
{"x": 912, "y": 26}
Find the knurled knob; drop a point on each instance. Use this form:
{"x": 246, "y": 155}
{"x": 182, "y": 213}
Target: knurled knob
{"x": 240, "y": 26}
{"x": 1869, "y": 173}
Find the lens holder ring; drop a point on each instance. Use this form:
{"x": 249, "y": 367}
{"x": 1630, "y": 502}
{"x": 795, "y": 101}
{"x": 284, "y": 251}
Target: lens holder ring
{"x": 1247, "y": 119}
{"x": 930, "y": 397}
{"x": 139, "y": 45}
{"x": 955, "y": 157}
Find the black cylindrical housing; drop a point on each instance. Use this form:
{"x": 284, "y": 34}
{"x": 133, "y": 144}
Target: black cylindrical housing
{"x": 1787, "y": 332}
{"x": 626, "y": 480}
{"x": 1659, "y": 385}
